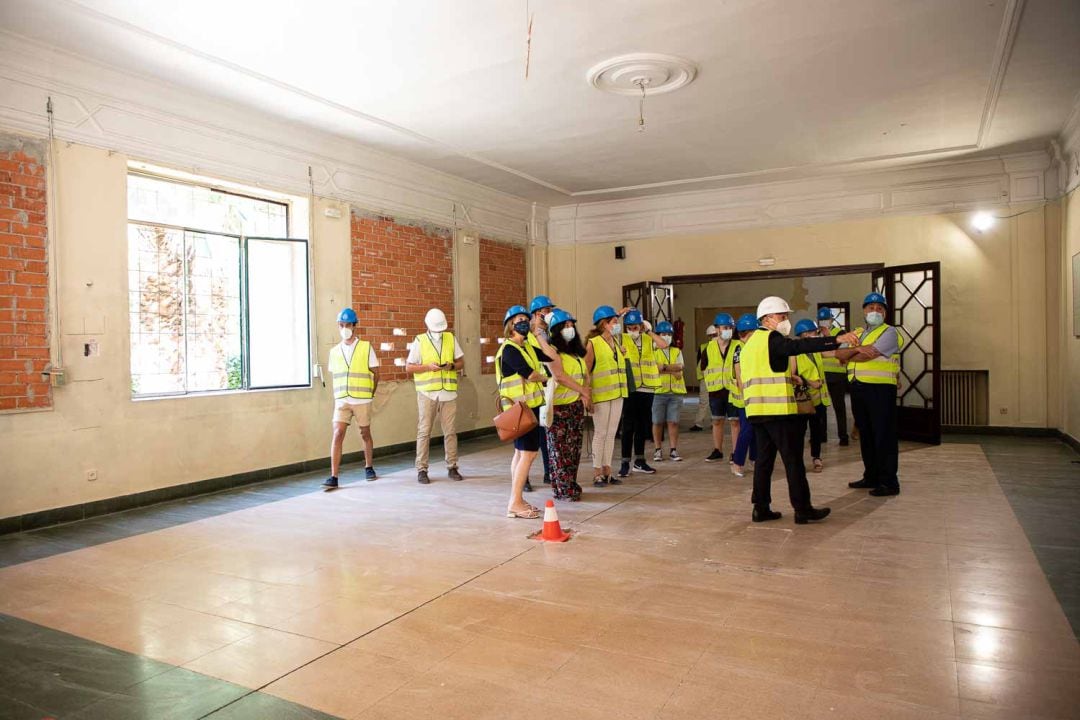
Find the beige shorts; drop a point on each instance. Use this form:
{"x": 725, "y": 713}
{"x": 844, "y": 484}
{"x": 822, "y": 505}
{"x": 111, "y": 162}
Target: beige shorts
{"x": 347, "y": 412}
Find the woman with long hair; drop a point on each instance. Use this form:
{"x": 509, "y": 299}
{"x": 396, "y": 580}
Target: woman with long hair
{"x": 572, "y": 400}
{"x": 520, "y": 378}
{"x": 606, "y": 364}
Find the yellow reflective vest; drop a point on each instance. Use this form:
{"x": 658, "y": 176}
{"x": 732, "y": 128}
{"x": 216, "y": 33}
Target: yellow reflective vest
{"x": 831, "y": 364}
{"x": 698, "y": 372}
{"x": 514, "y": 387}
{"x": 352, "y": 379}
{"x": 642, "y": 362}
{"x": 720, "y": 368}
{"x": 573, "y": 366}
{"x": 608, "y": 378}
{"x": 439, "y": 379}
{"x": 670, "y": 384}
{"x": 810, "y": 367}
{"x": 765, "y": 392}
{"x": 880, "y": 370}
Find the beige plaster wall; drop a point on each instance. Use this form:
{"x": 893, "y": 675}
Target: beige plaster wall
{"x": 1069, "y": 346}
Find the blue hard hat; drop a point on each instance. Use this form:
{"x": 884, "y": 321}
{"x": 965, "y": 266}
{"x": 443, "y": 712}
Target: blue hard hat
{"x": 633, "y": 317}
{"x": 724, "y": 319}
{"x": 805, "y": 325}
{"x": 515, "y": 310}
{"x": 664, "y": 327}
{"x": 558, "y": 317}
{"x": 603, "y": 313}
{"x": 747, "y": 322}
{"x": 347, "y": 315}
{"x": 874, "y": 297}
{"x": 540, "y": 302}
{"x": 824, "y": 314}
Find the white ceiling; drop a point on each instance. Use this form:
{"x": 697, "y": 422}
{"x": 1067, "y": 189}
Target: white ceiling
{"x": 784, "y": 88}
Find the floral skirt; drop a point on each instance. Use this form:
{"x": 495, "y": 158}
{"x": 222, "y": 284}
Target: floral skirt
{"x": 564, "y": 449}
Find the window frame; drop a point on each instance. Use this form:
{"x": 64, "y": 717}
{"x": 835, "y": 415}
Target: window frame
{"x": 245, "y": 300}
{"x": 843, "y": 306}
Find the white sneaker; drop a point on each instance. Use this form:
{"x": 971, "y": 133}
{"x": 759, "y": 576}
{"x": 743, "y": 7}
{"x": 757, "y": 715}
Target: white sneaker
{"x": 658, "y": 455}
{"x": 737, "y": 470}
{"x": 675, "y": 456}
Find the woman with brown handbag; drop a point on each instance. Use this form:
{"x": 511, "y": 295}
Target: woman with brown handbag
{"x": 520, "y": 380}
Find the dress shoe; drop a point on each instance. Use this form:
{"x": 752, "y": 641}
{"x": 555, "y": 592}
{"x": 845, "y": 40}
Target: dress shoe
{"x": 805, "y": 516}
{"x": 885, "y": 491}
{"x": 861, "y": 485}
{"x": 764, "y": 515}
{"x": 844, "y": 442}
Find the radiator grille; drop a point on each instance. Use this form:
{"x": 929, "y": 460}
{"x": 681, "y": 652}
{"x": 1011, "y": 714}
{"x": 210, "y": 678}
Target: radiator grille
{"x": 965, "y": 397}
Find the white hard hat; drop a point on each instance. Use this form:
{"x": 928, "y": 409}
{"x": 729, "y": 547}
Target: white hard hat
{"x": 772, "y": 304}
{"x": 711, "y": 330}
{"x": 435, "y": 320}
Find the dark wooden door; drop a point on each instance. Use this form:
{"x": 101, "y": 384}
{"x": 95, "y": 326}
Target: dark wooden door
{"x": 654, "y": 299}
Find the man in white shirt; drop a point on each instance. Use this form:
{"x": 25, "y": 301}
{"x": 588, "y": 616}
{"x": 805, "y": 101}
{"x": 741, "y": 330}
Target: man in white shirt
{"x": 355, "y": 371}
{"x": 435, "y": 359}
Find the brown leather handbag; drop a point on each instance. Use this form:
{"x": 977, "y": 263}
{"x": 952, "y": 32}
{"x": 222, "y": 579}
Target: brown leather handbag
{"x": 515, "y": 421}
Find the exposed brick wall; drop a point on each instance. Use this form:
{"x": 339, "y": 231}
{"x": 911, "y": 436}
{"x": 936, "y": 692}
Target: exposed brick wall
{"x": 399, "y": 272}
{"x": 24, "y": 280}
{"x": 502, "y": 284}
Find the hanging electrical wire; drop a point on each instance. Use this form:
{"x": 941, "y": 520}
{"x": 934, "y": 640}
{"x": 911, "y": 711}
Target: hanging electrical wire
{"x": 641, "y": 82}
{"x": 528, "y": 37}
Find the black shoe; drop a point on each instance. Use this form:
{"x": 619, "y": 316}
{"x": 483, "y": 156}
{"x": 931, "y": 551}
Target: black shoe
{"x": 547, "y": 479}
{"x": 815, "y": 514}
{"x": 613, "y": 480}
{"x": 885, "y": 491}
{"x": 422, "y": 478}
{"x": 575, "y": 492}
{"x": 624, "y": 469}
{"x": 369, "y": 473}
{"x": 454, "y": 474}
{"x": 599, "y": 481}
{"x": 861, "y": 485}
{"x": 714, "y": 456}
{"x": 330, "y": 483}
{"x": 764, "y": 515}
{"x": 528, "y": 486}
{"x": 844, "y": 442}
{"x": 640, "y": 466}
{"x": 696, "y": 428}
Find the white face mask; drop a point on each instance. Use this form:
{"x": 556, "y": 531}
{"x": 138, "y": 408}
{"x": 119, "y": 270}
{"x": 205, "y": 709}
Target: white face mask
{"x": 873, "y": 319}
{"x": 725, "y": 334}
{"x": 825, "y": 324}
{"x": 616, "y": 329}
{"x": 568, "y": 333}
{"x": 635, "y": 334}
{"x": 666, "y": 338}
{"x": 345, "y": 332}
{"x": 784, "y": 327}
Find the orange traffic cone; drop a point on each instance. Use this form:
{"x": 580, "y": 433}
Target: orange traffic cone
{"x": 552, "y": 531}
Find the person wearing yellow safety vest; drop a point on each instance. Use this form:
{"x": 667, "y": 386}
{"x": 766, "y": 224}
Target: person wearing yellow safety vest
{"x": 703, "y": 392}
{"x": 520, "y": 377}
{"x": 718, "y": 365}
{"x": 539, "y": 309}
{"x": 835, "y": 375}
{"x": 873, "y": 373}
{"x": 811, "y": 368}
{"x": 355, "y": 372}
{"x": 606, "y": 364}
{"x": 746, "y": 326}
{"x": 769, "y": 395}
{"x": 572, "y": 398}
{"x": 639, "y": 344}
{"x": 668, "y": 398}
{"x": 435, "y": 359}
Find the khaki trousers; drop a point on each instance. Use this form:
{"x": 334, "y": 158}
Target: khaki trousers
{"x": 427, "y": 409}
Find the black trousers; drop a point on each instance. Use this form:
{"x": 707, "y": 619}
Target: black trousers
{"x": 817, "y": 423}
{"x": 838, "y": 388}
{"x": 784, "y": 435}
{"x": 874, "y": 407}
{"x": 636, "y": 424}
{"x": 544, "y": 446}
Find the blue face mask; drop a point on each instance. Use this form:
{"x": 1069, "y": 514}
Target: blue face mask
{"x": 522, "y": 327}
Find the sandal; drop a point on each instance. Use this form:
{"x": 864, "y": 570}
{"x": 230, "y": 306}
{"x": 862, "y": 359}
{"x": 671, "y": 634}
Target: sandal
{"x": 530, "y": 514}
{"x": 818, "y": 465}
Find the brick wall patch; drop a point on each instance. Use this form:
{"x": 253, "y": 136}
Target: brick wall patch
{"x": 502, "y": 284}
{"x": 24, "y": 278}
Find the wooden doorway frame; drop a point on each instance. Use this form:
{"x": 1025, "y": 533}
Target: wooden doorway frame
{"x": 773, "y": 274}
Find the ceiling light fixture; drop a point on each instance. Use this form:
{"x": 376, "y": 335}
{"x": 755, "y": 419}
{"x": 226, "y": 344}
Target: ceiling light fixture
{"x": 641, "y": 74}
{"x": 982, "y": 221}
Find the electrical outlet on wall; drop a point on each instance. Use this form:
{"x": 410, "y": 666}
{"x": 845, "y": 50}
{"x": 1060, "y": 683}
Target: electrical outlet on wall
{"x": 91, "y": 475}
{"x": 1003, "y": 411}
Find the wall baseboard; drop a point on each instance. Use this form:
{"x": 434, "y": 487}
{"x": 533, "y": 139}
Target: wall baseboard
{"x": 84, "y": 511}
{"x": 998, "y": 430}
{"x": 1068, "y": 440}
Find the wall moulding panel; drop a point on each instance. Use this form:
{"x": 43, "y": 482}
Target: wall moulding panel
{"x": 106, "y": 107}
{"x": 939, "y": 187}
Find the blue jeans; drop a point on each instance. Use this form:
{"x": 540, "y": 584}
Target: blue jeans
{"x": 745, "y": 442}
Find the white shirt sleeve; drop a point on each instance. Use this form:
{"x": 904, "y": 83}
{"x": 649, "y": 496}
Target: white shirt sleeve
{"x": 372, "y": 360}
{"x": 414, "y": 353}
{"x": 458, "y": 353}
